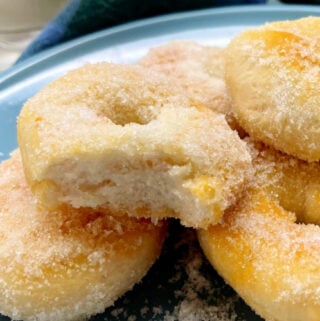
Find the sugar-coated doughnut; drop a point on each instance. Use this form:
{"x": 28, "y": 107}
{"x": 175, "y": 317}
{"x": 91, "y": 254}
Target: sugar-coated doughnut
{"x": 273, "y": 75}
{"x": 70, "y": 264}
{"x": 267, "y": 247}
{"x": 198, "y": 69}
{"x": 126, "y": 138}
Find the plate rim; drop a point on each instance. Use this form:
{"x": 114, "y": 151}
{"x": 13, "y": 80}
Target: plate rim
{"x": 12, "y": 71}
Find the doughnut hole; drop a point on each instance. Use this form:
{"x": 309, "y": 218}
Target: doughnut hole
{"x": 128, "y": 115}
{"x": 122, "y": 94}
{"x": 128, "y": 104}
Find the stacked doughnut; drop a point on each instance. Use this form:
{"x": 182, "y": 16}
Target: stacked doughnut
{"x": 106, "y": 154}
{"x": 267, "y": 245}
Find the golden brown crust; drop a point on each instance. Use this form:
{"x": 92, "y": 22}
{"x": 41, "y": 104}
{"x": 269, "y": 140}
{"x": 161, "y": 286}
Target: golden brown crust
{"x": 68, "y": 264}
{"x": 273, "y": 74}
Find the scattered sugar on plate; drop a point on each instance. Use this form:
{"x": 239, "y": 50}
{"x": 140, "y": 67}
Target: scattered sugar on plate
{"x": 181, "y": 286}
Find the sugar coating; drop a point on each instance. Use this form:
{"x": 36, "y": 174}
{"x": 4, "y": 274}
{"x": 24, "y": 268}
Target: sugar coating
{"x": 126, "y": 138}
{"x": 293, "y": 182}
{"x": 198, "y": 69}
{"x": 274, "y": 85}
{"x": 267, "y": 247}
{"x": 68, "y": 264}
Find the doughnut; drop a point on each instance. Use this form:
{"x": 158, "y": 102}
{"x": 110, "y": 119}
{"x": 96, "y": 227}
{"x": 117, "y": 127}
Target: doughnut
{"x": 125, "y": 138}
{"x": 198, "y": 69}
{"x": 268, "y": 245}
{"x": 272, "y": 76}
{"x": 70, "y": 264}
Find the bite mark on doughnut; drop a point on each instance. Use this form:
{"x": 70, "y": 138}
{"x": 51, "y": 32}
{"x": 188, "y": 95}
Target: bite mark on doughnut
{"x": 138, "y": 130}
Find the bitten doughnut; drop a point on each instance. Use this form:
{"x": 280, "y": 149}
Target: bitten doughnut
{"x": 267, "y": 247}
{"x": 198, "y": 69}
{"x": 126, "y": 138}
{"x": 273, "y": 75}
{"x": 70, "y": 264}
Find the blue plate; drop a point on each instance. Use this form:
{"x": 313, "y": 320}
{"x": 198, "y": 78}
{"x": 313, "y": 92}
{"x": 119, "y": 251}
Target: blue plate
{"x": 181, "y": 279}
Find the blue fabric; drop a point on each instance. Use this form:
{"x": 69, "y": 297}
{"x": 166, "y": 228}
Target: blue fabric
{"x": 84, "y": 16}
